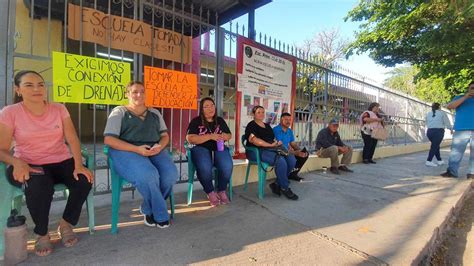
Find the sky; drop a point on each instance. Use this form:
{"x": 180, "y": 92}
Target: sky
{"x": 293, "y": 21}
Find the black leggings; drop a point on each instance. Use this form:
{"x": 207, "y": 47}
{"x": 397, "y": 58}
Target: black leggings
{"x": 40, "y": 189}
{"x": 369, "y": 146}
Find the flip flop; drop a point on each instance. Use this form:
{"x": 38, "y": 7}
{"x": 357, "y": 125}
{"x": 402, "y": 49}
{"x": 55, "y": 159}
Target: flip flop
{"x": 68, "y": 237}
{"x": 43, "y": 244}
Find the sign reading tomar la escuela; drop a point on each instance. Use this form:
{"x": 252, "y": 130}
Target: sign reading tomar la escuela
{"x": 84, "y": 79}
{"x": 128, "y": 34}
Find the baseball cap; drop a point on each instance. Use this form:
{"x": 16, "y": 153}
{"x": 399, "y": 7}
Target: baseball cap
{"x": 334, "y": 121}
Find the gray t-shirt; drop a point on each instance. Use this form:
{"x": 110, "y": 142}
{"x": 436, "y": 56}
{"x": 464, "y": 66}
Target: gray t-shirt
{"x": 128, "y": 127}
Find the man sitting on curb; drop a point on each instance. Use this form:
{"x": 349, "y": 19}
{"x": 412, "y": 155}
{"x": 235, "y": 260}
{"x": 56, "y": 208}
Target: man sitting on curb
{"x": 330, "y": 145}
{"x": 284, "y": 134}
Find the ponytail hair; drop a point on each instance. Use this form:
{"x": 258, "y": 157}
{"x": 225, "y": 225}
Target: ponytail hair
{"x": 434, "y": 107}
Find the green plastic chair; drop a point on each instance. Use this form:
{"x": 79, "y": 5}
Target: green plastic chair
{"x": 262, "y": 168}
{"x": 192, "y": 171}
{"x": 11, "y": 197}
{"x": 117, "y": 183}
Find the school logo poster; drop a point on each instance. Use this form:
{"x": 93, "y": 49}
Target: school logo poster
{"x": 265, "y": 77}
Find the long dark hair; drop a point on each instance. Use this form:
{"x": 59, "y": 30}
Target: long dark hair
{"x": 372, "y": 106}
{"x": 17, "y": 80}
{"x": 434, "y": 107}
{"x": 201, "y": 111}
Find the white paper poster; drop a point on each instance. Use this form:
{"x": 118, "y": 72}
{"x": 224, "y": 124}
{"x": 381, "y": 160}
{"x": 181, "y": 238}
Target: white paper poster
{"x": 267, "y": 80}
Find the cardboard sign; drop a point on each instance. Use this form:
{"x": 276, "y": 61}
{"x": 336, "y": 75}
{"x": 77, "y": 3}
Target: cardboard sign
{"x": 127, "y": 34}
{"x": 83, "y": 79}
{"x": 170, "y": 89}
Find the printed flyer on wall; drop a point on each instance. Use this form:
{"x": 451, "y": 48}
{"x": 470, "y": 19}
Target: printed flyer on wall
{"x": 265, "y": 77}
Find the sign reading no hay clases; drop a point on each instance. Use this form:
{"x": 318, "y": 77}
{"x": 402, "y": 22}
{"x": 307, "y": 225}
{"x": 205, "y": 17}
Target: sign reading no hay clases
{"x": 84, "y": 79}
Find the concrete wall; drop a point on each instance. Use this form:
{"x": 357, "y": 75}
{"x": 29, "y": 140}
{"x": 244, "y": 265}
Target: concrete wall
{"x": 315, "y": 163}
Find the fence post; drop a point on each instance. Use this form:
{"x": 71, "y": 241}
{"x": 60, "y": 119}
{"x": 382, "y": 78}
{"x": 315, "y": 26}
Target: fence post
{"x": 7, "y": 32}
{"x": 326, "y": 93}
{"x": 219, "y": 73}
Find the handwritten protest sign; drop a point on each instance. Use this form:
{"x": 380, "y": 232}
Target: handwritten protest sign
{"x": 83, "y": 79}
{"x": 170, "y": 89}
{"x": 90, "y": 25}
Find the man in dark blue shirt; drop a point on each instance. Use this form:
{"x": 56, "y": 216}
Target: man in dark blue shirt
{"x": 284, "y": 134}
{"x": 330, "y": 145}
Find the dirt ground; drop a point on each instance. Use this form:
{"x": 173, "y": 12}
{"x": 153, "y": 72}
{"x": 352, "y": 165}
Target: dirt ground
{"x": 458, "y": 247}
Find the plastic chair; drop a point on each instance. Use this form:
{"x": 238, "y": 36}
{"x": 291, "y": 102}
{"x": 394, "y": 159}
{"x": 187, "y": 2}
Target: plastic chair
{"x": 192, "y": 170}
{"x": 117, "y": 183}
{"x": 262, "y": 167}
{"x": 11, "y": 197}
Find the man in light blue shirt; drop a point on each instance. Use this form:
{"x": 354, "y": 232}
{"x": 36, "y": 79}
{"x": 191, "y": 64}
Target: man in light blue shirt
{"x": 284, "y": 134}
{"x": 464, "y": 133}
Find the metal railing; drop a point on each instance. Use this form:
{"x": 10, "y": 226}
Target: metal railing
{"x": 322, "y": 93}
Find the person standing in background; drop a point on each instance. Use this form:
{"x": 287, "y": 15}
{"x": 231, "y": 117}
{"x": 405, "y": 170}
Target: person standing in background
{"x": 436, "y": 121}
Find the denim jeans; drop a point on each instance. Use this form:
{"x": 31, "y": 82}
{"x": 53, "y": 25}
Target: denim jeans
{"x": 435, "y": 135}
{"x": 153, "y": 177}
{"x": 460, "y": 140}
{"x": 203, "y": 161}
{"x": 283, "y": 165}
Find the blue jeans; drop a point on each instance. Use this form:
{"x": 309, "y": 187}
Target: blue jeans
{"x": 153, "y": 177}
{"x": 435, "y": 135}
{"x": 283, "y": 165}
{"x": 460, "y": 140}
{"x": 203, "y": 161}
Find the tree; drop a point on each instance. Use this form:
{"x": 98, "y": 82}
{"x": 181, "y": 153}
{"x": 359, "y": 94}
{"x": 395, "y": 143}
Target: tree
{"x": 325, "y": 49}
{"x": 436, "y": 36}
{"x": 430, "y": 90}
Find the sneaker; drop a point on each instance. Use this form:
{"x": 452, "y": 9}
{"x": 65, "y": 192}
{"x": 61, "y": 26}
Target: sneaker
{"x": 334, "y": 170}
{"x": 345, "y": 169}
{"x": 149, "y": 220}
{"x": 429, "y": 163}
{"x": 223, "y": 197}
{"x": 213, "y": 199}
{"x": 275, "y": 189}
{"x": 470, "y": 176}
{"x": 164, "y": 224}
{"x": 440, "y": 162}
{"x": 448, "y": 174}
{"x": 289, "y": 194}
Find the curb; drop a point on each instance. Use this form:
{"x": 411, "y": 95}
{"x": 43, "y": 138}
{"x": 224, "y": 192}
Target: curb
{"x": 440, "y": 232}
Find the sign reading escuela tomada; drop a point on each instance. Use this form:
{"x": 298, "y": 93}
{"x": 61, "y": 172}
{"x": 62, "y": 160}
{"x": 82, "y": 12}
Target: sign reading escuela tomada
{"x": 84, "y": 79}
{"x": 128, "y": 34}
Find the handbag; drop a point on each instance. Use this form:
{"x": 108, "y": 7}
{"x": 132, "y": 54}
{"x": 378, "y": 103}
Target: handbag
{"x": 380, "y": 133}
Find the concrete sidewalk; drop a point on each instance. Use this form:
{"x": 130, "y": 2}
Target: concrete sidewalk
{"x": 381, "y": 214}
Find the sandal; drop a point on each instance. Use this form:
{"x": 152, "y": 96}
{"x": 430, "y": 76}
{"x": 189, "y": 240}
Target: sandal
{"x": 43, "y": 247}
{"x": 68, "y": 237}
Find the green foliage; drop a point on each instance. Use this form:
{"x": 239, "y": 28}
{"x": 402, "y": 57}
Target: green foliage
{"x": 431, "y": 89}
{"x": 436, "y": 36}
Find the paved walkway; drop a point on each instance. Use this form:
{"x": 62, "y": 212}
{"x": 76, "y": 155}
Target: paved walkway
{"x": 381, "y": 214}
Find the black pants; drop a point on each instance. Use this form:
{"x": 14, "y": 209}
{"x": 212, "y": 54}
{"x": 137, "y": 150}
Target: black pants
{"x": 369, "y": 146}
{"x": 299, "y": 163}
{"x": 435, "y": 135}
{"x": 39, "y": 192}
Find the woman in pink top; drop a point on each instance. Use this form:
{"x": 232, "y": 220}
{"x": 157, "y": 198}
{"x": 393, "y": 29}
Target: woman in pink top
{"x": 370, "y": 119}
{"x": 41, "y": 157}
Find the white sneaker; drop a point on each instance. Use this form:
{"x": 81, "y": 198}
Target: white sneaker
{"x": 440, "y": 162}
{"x": 428, "y": 163}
